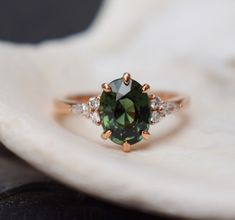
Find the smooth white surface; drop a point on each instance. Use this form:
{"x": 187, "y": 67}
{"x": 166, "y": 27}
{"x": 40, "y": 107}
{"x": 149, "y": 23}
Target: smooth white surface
{"x": 188, "y": 167}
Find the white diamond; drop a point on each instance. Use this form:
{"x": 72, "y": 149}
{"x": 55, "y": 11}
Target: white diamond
{"x": 168, "y": 107}
{"x": 95, "y": 117}
{"x": 77, "y": 109}
{"x": 80, "y": 109}
{"x": 155, "y": 103}
{"x": 94, "y": 103}
{"x": 155, "y": 117}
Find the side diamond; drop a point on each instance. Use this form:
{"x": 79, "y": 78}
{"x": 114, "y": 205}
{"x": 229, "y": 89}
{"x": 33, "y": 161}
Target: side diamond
{"x": 95, "y": 117}
{"x": 168, "y": 107}
{"x": 80, "y": 109}
{"x": 94, "y": 103}
{"x": 155, "y": 117}
{"x": 93, "y": 106}
{"x": 160, "y": 109}
{"x": 155, "y": 103}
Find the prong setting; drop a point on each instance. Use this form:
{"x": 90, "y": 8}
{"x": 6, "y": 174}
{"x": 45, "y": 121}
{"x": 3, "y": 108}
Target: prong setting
{"x": 145, "y": 134}
{"x": 145, "y": 88}
{"x": 126, "y": 78}
{"x": 106, "y": 87}
{"x": 106, "y": 134}
{"x": 126, "y": 147}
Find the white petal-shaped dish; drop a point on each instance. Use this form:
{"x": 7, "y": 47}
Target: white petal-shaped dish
{"x": 188, "y": 167}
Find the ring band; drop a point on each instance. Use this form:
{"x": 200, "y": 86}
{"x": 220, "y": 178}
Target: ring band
{"x": 124, "y": 109}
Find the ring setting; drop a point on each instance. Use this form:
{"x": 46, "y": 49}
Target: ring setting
{"x": 125, "y": 109}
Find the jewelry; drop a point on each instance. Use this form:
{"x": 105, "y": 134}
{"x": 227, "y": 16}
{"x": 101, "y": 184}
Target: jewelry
{"x": 124, "y": 109}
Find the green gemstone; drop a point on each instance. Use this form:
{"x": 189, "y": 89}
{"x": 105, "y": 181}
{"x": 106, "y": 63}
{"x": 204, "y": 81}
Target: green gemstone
{"x": 125, "y": 111}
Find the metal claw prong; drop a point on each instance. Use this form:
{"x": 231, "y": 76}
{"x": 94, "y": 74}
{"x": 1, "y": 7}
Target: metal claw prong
{"x": 106, "y": 87}
{"x": 126, "y": 147}
{"x": 126, "y": 78}
{"x": 106, "y": 134}
{"x": 152, "y": 97}
{"x": 145, "y": 88}
{"x": 145, "y": 134}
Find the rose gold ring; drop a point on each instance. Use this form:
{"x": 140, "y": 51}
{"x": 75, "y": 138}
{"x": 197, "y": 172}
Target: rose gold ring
{"x": 125, "y": 109}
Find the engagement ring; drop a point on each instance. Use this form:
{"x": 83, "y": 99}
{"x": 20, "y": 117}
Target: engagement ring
{"x": 124, "y": 109}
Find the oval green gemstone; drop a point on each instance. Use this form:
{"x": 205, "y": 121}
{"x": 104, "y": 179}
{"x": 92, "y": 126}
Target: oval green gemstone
{"x": 125, "y": 111}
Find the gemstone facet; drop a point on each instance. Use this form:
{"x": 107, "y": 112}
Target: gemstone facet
{"x": 125, "y": 110}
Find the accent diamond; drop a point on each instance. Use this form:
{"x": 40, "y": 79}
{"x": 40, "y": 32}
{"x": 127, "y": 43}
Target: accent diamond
{"x": 95, "y": 117}
{"x": 160, "y": 109}
{"x": 168, "y": 107}
{"x": 155, "y": 117}
{"x": 93, "y": 108}
{"x": 94, "y": 103}
{"x": 80, "y": 109}
{"x": 155, "y": 103}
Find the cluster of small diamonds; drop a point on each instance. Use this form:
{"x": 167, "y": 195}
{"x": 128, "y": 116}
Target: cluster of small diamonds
{"x": 90, "y": 109}
{"x": 159, "y": 109}
{"x": 93, "y": 107}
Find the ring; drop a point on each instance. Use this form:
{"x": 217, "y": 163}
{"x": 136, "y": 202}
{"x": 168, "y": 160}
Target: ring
{"x": 124, "y": 109}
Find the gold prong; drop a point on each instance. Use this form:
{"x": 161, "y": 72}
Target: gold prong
{"x": 106, "y": 87}
{"x": 126, "y": 147}
{"x": 106, "y": 134}
{"x": 145, "y": 88}
{"x": 145, "y": 134}
{"x": 152, "y": 97}
{"x": 126, "y": 78}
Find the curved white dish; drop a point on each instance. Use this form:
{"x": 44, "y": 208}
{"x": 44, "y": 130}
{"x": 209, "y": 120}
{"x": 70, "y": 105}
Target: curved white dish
{"x": 188, "y": 167}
